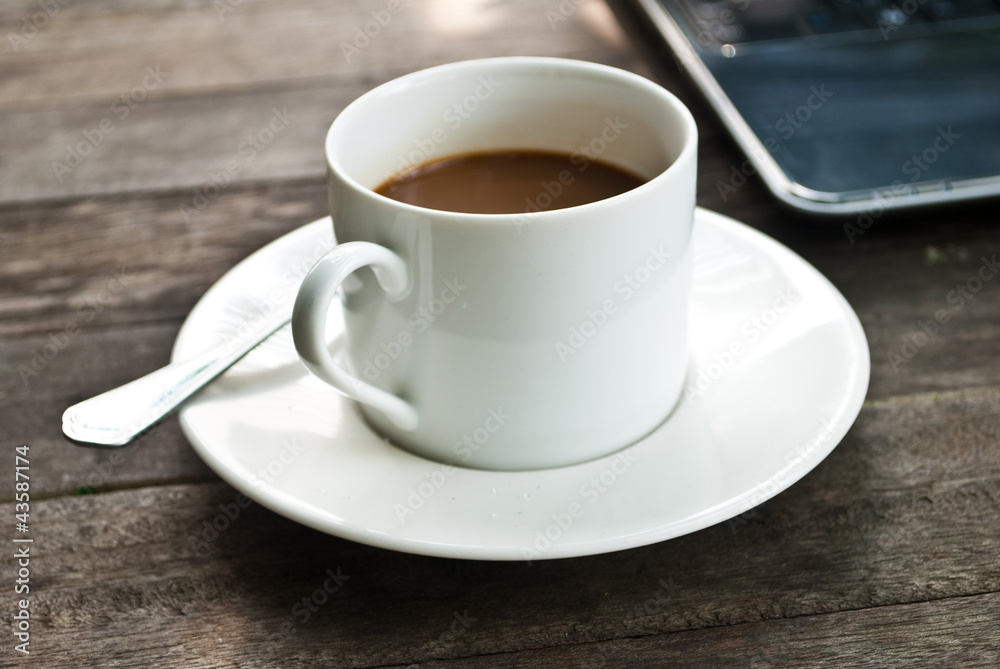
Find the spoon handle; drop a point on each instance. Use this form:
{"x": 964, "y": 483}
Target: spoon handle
{"x": 116, "y": 417}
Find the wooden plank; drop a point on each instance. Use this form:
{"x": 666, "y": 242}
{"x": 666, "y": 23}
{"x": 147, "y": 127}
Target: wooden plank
{"x": 60, "y": 468}
{"x": 179, "y": 140}
{"x": 140, "y": 576}
{"x": 950, "y": 632}
{"x": 191, "y": 143}
{"x": 33, "y": 402}
{"x": 188, "y": 141}
{"x": 114, "y": 262}
{"x": 908, "y": 291}
{"x": 102, "y": 49}
{"x": 104, "y": 101}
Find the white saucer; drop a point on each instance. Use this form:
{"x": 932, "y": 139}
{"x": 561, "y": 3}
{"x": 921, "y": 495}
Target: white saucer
{"x": 760, "y": 419}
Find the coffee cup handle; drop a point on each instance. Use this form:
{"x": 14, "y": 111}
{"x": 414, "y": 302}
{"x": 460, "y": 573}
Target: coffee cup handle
{"x": 309, "y": 316}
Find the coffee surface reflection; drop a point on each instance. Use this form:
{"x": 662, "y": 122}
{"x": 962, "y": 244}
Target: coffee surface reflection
{"x": 508, "y": 182}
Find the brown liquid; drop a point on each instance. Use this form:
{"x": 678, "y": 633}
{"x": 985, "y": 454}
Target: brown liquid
{"x": 508, "y": 182}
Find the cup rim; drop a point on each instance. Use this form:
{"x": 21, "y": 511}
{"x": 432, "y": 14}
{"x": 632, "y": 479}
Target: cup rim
{"x": 688, "y": 147}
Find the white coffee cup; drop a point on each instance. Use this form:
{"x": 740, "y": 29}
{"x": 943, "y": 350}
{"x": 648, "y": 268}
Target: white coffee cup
{"x": 520, "y": 341}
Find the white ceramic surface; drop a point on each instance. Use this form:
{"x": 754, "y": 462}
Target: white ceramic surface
{"x": 510, "y": 341}
{"x": 777, "y": 373}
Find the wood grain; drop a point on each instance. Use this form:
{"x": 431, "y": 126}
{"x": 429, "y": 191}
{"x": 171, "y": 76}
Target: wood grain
{"x": 118, "y": 566}
{"x": 137, "y": 104}
{"x": 101, "y": 50}
{"x": 951, "y": 632}
{"x": 114, "y": 262}
{"x": 884, "y": 555}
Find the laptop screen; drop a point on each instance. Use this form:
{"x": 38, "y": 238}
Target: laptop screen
{"x": 852, "y": 96}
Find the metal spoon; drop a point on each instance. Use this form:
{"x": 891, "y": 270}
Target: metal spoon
{"x": 116, "y": 417}
{"x": 264, "y": 284}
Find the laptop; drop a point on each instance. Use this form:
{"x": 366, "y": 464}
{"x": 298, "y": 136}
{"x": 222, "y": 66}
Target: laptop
{"x": 848, "y": 106}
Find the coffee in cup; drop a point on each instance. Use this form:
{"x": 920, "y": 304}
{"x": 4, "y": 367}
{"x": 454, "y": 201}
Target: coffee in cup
{"x": 508, "y": 182}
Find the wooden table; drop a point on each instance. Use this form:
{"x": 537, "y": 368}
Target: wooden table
{"x": 116, "y": 118}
